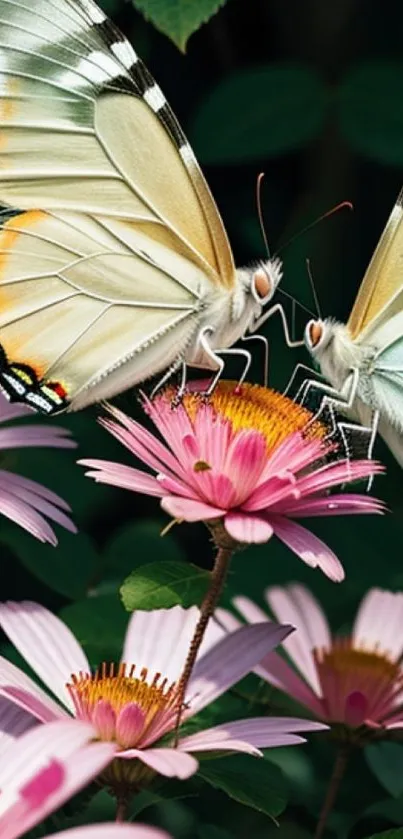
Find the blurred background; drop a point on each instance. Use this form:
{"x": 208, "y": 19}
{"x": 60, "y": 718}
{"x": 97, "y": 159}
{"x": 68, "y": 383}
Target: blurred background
{"x": 311, "y": 93}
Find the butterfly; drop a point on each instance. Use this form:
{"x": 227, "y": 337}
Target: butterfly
{"x": 363, "y": 359}
{"x": 114, "y": 261}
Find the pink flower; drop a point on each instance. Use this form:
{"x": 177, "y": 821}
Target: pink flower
{"x": 134, "y": 704}
{"x": 43, "y": 769}
{"x": 22, "y": 500}
{"x": 244, "y": 458}
{"x": 355, "y": 680}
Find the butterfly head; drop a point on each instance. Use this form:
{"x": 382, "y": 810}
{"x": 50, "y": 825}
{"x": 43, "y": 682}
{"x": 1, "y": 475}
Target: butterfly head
{"x": 317, "y": 335}
{"x": 265, "y": 280}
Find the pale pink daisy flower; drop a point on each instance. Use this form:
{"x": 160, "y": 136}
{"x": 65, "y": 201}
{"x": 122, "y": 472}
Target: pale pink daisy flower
{"x": 22, "y": 500}
{"x": 354, "y": 680}
{"x": 134, "y": 704}
{"x": 45, "y": 767}
{"x": 244, "y": 458}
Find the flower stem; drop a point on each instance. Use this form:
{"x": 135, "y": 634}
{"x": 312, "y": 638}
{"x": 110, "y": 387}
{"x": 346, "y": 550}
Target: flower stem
{"x": 218, "y": 577}
{"x": 121, "y": 809}
{"x": 333, "y": 788}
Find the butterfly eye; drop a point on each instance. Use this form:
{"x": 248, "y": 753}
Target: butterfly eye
{"x": 263, "y": 285}
{"x": 315, "y": 332}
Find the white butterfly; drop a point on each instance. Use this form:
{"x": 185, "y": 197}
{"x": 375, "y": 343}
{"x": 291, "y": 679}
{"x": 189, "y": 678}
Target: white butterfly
{"x": 363, "y": 360}
{"x": 117, "y": 265}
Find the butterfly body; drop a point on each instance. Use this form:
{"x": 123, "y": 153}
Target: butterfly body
{"x": 363, "y": 359}
{"x": 118, "y": 260}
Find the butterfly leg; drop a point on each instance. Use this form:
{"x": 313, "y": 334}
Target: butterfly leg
{"x": 166, "y": 377}
{"x": 298, "y": 367}
{"x": 215, "y": 356}
{"x": 253, "y": 327}
{"x": 264, "y": 341}
{"x": 333, "y": 400}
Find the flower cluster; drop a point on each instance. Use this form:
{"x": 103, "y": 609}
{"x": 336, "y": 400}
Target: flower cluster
{"x": 249, "y": 463}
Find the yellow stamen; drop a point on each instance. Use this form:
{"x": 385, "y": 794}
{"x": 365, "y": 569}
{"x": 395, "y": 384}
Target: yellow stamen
{"x": 120, "y": 689}
{"x": 260, "y": 409}
{"x": 344, "y": 659}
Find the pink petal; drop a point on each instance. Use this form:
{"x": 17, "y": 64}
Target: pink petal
{"x": 249, "y": 610}
{"x": 111, "y": 831}
{"x": 10, "y": 479}
{"x": 216, "y": 488}
{"x": 229, "y": 661}
{"x": 46, "y": 643}
{"x": 276, "y": 490}
{"x": 146, "y": 446}
{"x": 130, "y": 724}
{"x": 24, "y": 436}
{"x": 277, "y": 672}
{"x": 185, "y": 509}
{"x": 53, "y": 748}
{"x": 250, "y": 734}
{"x": 339, "y": 472}
{"x": 159, "y": 640}
{"x": 249, "y": 529}
{"x": 173, "y": 486}
{"x": 331, "y": 505}
{"x": 355, "y": 709}
{"x": 19, "y": 688}
{"x": 27, "y": 518}
{"x": 32, "y": 751}
{"x": 125, "y": 477}
{"x": 103, "y": 718}
{"x": 13, "y": 722}
{"x": 379, "y": 621}
{"x": 296, "y": 605}
{"x": 28, "y": 493}
{"x": 245, "y": 459}
{"x": 294, "y": 454}
{"x": 169, "y": 762}
{"x": 308, "y": 547}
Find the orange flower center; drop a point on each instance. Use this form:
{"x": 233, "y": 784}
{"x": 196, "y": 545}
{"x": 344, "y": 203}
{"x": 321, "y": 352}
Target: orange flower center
{"x": 124, "y": 707}
{"x": 357, "y": 682}
{"x": 257, "y": 408}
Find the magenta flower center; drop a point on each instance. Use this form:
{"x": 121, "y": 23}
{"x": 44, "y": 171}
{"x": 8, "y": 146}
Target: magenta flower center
{"x": 358, "y": 685}
{"x": 130, "y": 710}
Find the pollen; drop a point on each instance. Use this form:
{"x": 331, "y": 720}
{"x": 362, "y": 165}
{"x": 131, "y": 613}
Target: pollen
{"x": 257, "y": 408}
{"x": 123, "y": 706}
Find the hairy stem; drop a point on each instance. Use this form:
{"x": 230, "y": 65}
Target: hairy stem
{"x": 121, "y": 808}
{"x": 218, "y": 577}
{"x": 339, "y": 769}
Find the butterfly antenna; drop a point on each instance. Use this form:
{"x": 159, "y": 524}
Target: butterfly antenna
{"x": 309, "y": 226}
{"x": 314, "y": 292}
{"x": 296, "y": 302}
{"x": 260, "y": 212}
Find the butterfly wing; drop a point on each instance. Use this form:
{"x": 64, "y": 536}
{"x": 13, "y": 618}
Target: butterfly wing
{"x": 382, "y": 286}
{"x": 81, "y": 315}
{"x": 87, "y": 136}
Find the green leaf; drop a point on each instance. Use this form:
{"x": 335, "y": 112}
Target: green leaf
{"x": 161, "y": 585}
{"x": 249, "y": 780}
{"x": 371, "y": 110}
{"x": 99, "y": 624}
{"x": 388, "y": 834}
{"x": 178, "y": 19}
{"x": 386, "y": 762}
{"x": 259, "y": 113}
{"x": 67, "y": 569}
